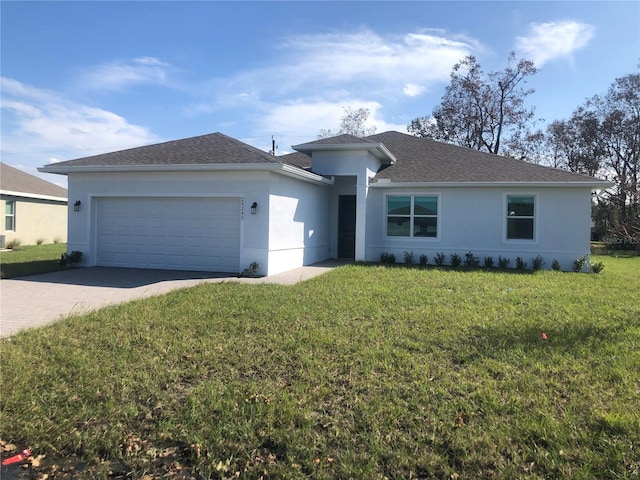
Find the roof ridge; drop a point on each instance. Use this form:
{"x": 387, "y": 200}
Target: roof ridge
{"x": 342, "y": 139}
{"x": 246, "y": 146}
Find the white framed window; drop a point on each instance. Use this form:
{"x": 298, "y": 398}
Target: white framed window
{"x": 10, "y": 215}
{"x": 413, "y": 216}
{"x": 521, "y": 217}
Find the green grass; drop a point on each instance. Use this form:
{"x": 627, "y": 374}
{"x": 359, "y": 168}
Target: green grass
{"x": 31, "y": 260}
{"x": 365, "y": 372}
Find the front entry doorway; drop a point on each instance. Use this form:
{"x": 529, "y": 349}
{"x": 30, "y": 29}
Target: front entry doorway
{"x": 347, "y": 226}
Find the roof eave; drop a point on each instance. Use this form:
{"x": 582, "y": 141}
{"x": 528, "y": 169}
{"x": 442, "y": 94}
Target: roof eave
{"x": 377, "y": 149}
{"x": 297, "y": 172}
{"x": 280, "y": 168}
{"x": 37, "y": 196}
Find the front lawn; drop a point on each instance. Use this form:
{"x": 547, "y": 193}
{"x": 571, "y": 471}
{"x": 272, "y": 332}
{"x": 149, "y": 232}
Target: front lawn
{"x": 31, "y": 260}
{"x": 365, "y": 372}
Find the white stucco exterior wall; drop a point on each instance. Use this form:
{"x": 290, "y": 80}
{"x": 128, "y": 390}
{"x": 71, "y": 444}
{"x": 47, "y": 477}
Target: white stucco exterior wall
{"x": 299, "y": 224}
{"x": 474, "y": 219}
{"x": 88, "y": 187}
{"x": 289, "y": 229}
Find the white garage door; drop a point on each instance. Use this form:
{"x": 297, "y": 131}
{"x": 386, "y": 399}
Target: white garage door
{"x": 169, "y": 233}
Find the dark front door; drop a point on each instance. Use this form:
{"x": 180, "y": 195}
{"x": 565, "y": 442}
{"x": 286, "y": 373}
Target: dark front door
{"x": 347, "y": 226}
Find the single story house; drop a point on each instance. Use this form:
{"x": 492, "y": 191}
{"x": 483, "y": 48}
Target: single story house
{"x": 213, "y": 203}
{"x": 34, "y": 210}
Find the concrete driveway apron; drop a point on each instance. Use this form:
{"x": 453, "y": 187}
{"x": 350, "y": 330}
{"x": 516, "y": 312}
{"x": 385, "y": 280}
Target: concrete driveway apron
{"x": 41, "y": 299}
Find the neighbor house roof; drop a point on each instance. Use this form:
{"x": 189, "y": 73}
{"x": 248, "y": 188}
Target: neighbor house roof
{"x": 21, "y": 184}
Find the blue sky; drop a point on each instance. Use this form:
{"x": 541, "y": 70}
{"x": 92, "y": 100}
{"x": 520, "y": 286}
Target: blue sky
{"x": 81, "y": 77}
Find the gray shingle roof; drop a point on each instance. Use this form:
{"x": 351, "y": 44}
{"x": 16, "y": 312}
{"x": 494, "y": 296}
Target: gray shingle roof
{"x": 297, "y": 159}
{"x": 14, "y": 180}
{"x": 418, "y": 160}
{"x": 343, "y": 139}
{"x": 424, "y": 160}
{"x": 214, "y": 148}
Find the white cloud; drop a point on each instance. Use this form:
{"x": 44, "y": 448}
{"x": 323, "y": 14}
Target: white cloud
{"x": 553, "y": 40}
{"x": 41, "y": 126}
{"x": 301, "y": 118}
{"x": 297, "y": 122}
{"x": 413, "y": 90}
{"x": 122, "y": 74}
{"x": 338, "y": 66}
{"x": 313, "y": 77}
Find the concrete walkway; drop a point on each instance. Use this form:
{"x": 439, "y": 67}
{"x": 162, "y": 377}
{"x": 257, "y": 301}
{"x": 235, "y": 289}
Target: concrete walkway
{"x": 40, "y": 299}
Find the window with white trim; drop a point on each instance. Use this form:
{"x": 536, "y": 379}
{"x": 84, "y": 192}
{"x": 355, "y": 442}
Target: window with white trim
{"x": 520, "y": 217}
{"x": 412, "y": 216}
{"x": 9, "y": 215}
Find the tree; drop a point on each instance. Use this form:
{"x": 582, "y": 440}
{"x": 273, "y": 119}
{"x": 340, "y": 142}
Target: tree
{"x": 575, "y": 144}
{"x": 353, "y": 123}
{"x": 482, "y": 111}
{"x": 619, "y": 115}
{"x": 602, "y": 137}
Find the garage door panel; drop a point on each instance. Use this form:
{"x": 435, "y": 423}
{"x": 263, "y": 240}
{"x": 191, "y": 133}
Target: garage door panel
{"x": 177, "y": 233}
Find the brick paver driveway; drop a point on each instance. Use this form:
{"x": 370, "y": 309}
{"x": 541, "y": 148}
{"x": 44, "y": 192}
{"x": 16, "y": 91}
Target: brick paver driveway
{"x": 41, "y": 299}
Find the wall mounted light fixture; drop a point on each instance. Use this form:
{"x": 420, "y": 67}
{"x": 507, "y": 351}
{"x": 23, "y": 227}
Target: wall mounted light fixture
{"x": 254, "y": 207}
{"x": 76, "y": 206}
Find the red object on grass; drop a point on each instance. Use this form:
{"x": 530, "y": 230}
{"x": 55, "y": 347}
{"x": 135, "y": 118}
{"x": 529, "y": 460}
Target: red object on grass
{"x": 23, "y": 455}
{"x": 544, "y": 336}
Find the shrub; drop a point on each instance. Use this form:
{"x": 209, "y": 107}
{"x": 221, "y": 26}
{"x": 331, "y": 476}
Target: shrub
{"x": 455, "y": 261}
{"x": 555, "y": 265}
{"x": 424, "y": 260}
{"x": 470, "y": 260}
{"x": 579, "y": 263}
{"x": 40, "y": 241}
{"x": 597, "y": 267}
{"x": 251, "y": 270}
{"x": 387, "y": 258}
{"x": 521, "y": 264}
{"x": 503, "y": 262}
{"x": 537, "y": 263}
{"x": 440, "y": 259}
{"x": 13, "y": 244}
{"x": 408, "y": 258}
{"x": 488, "y": 262}
{"x": 68, "y": 259}
{"x": 56, "y": 240}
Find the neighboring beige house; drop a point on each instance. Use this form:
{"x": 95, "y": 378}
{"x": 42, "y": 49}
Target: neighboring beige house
{"x": 34, "y": 210}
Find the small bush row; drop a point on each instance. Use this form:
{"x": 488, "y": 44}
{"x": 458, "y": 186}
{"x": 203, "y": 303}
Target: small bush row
{"x": 16, "y": 242}
{"x": 471, "y": 261}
